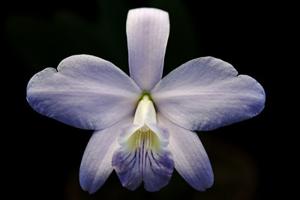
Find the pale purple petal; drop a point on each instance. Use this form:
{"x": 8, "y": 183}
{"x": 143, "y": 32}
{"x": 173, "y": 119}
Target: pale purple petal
{"x": 85, "y": 91}
{"x": 207, "y": 93}
{"x": 158, "y": 170}
{"x": 189, "y": 155}
{"x": 143, "y": 164}
{"x": 147, "y": 36}
{"x": 96, "y": 164}
{"x": 127, "y": 167}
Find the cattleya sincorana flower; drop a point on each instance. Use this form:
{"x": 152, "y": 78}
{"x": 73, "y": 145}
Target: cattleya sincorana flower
{"x": 143, "y": 124}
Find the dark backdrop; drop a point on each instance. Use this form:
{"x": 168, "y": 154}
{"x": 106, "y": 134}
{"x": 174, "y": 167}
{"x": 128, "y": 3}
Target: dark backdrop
{"x": 42, "y": 156}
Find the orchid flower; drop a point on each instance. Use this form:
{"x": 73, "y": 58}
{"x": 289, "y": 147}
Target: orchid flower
{"x": 143, "y": 124}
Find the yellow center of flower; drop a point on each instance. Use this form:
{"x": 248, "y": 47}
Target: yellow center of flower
{"x": 144, "y": 138}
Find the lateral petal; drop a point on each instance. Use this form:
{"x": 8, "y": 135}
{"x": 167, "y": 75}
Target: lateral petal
{"x": 85, "y": 92}
{"x": 207, "y": 93}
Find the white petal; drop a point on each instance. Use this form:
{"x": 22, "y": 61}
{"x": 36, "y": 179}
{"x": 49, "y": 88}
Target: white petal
{"x": 147, "y": 35}
{"x": 207, "y": 93}
{"x": 96, "y": 164}
{"x": 85, "y": 91}
{"x": 189, "y": 155}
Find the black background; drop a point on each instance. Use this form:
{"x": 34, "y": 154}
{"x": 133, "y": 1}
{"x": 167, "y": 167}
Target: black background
{"x": 41, "y": 157}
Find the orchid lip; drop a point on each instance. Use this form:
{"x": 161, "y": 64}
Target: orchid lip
{"x": 143, "y": 151}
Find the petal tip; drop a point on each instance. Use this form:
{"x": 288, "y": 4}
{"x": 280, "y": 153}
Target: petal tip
{"x": 33, "y": 83}
{"x": 147, "y": 10}
{"x": 259, "y": 99}
{"x": 202, "y": 185}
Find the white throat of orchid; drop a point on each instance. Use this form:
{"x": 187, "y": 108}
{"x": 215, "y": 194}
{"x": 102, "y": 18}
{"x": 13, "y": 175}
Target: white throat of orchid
{"x": 145, "y": 116}
{"x": 143, "y": 155}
